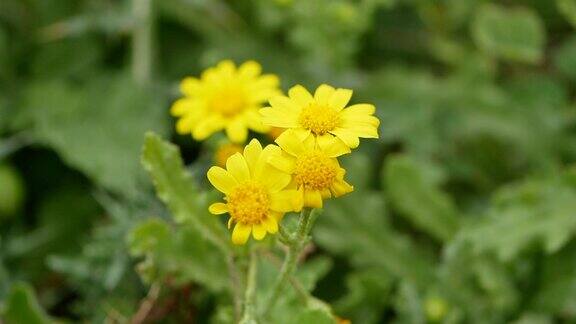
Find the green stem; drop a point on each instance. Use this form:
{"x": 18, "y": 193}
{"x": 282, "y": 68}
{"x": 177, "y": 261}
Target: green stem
{"x": 142, "y": 41}
{"x": 249, "y": 316}
{"x": 294, "y": 249}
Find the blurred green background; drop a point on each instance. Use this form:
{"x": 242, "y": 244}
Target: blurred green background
{"x": 464, "y": 209}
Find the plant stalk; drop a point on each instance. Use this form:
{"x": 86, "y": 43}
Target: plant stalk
{"x": 142, "y": 41}
{"x": 250, "y": 315}
{"x": 295, "y": 247}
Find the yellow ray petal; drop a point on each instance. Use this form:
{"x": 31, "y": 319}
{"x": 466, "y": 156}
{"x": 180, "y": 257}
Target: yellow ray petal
{"x": 241, "y": 233}
{"x": 340, "y": 99}
{"x": 249, "y": 70}
{"x": 348, "y": 137}
{"x": 270, "y": 224}
{"x": 236, "y": 130}
{"x": 300, "y": 95}
{"x": 238, "y": 168}
{"x": 312, "y": 198}
{"x": 290, "y": 143}
{"x": 252, "y": 153}
{"x": 221, "y": 180}
{"x": 218, "y": 208}
{"x": 323, "y": 94}
{"x": 340, "y": 188}
{"x": 258, "y": 231}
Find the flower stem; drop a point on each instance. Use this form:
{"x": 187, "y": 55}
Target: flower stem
{"x": 295, "y": 247}
{"x": 249, "y": 316}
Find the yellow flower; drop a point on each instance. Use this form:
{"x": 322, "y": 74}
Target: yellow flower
{"x": 256, "y": 198}
{"x": 274, "y": 132}
{"x": 316, "y": 173}
{"x": 323, "y": 116}
{"x": 225, "y": 97}
{"x": 224, "y": 151}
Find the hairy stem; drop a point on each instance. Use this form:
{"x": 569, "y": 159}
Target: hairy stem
{"x": 249, "y": 316}
{"x": 295, "y": 247}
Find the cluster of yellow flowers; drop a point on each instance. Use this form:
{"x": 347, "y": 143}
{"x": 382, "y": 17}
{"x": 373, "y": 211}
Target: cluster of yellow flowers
{"x": 261, "y": 184}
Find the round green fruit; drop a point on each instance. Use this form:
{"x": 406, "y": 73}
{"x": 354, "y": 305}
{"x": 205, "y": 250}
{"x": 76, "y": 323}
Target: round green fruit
{"x": 11, "y": 191}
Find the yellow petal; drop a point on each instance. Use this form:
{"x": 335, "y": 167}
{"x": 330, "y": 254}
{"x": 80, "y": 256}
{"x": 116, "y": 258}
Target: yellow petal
{"x": 258, "y": 231}
{"x": 207, "y": 127}
{"x": 270, "y": 224}
{"x": 290, "y": 143}
{"x": 254, "y": 121}
{"x": 340, "y": 188}
{"x": 340, "y": 99}
{"x": 323, "y": 94}
{"x": 230, "y": 221}
{"x": 301, "y": 133}
{"x": 221, "y": 180}
{"x": 348, "y": 137}
{"x": 237, "y": 131}
{"x": 190, "y": 86}
{"x": 276, "y": 216}
{"x": 277, "y": 118}
{"x": 334, "y": 147}
{"x": 282, "y": 161}
{"x": 284, "y": 201}
{"x": 238, "y": 168}
{"x": 363, "y": 109}
{"x": 252, "y": 153}
{"x": 241, "y": 233}
{"x": 184, "y": 125}
{"x": 218, "y": 208}
{"x": 300, "y": 95}
{"x": 326, "y": 194}
{"x": 273, "y": 179}
{"x": 312, "y": 199}
{"x": 249, "y": 70}
{"x": 226, "y": 68}
{"x": 180, "y": 107}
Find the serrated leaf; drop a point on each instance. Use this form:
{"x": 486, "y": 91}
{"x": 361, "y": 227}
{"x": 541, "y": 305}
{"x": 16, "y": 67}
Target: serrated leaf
{"x": 181, "y": 254}
{"x": 368, "y": 240}
{"x": 532, "y": 212}
{"x": 22, "y": 307}
{"x": 175, "y": 187}
{"x": 511, "y": 34}
{"x": 413, "y": 190}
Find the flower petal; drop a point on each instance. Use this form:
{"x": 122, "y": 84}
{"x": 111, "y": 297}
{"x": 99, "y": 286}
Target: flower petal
{"x": 270, "y": 224}
{"x": 258, "y": 231}
{"x": 300, "y": 95}
{"x": 277, "y": 118}
{"x": 290, "y": 143}
{"x": 218, "y": 208}
{"x": 241, "y": 233}
{"x": 340, "y": 99}
{"x": 237, "y": 131}
{"x": 249, "y": 70}
{"x": 285, "y": 201}
{"x": 252, "y": 153}
{"x": 207, "y": 127}
{"x": 312, "y": 199}
{"x": 238, "y": 168}
{"x": 323, "y": 94}
{"x": 282, "y": 161}
{"x": 221, "y": 179}
{"x": 347, "y": 136}
{"x": 340, "y": 188}
{"x": 363, "y": 109}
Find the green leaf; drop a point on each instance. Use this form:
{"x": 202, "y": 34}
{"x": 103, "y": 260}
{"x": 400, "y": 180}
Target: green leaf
{"x": 413, "y": 189}
{"x": 97, "y": 128}
{"x": 175, "y": 187}
{"x": 568, "y": 9}
{"x": 536, "y": 211}
{"x": 368, "y": 240}
{"x": 565, "y": 58}
{"x": 510, "y": 34}
{"x": 180, "y": 254}
{"x": 22, "y": 307}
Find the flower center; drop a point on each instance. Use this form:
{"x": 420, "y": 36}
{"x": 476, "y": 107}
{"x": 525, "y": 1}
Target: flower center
{"x": 318, "y": 119}
{"x": 248, "y": 203}
{"x": 315, "y": 171}
{"x": 228, "y": 102}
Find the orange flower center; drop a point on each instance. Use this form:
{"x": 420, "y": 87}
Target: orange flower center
{"x": 318, "y": 119}
{"x": 248, "y": 203}
{"x": 315, "y": 171}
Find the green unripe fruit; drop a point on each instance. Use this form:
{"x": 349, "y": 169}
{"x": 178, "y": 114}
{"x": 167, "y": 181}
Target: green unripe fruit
{"x": 11, "y": 191}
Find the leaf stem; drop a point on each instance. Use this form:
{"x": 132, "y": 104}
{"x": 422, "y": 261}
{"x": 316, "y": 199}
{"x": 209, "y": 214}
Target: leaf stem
{"x": 295, "y": 247}
{"x": 250, "y": 315}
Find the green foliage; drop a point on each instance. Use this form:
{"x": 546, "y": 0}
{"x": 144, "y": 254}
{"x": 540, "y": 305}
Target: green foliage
{"x": 511, "y": 34}
{"x": 463, "y": 209}
{"x": 21, "y": 306}
{"x": 412, "y": 189}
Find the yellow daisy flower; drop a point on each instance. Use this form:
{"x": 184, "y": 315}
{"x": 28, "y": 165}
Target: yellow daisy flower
{"x": 316, "y": 173}
{"x": 323, "y": 116}
{"x": 225, "y": 97}
{"x": 256, "y": 195}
